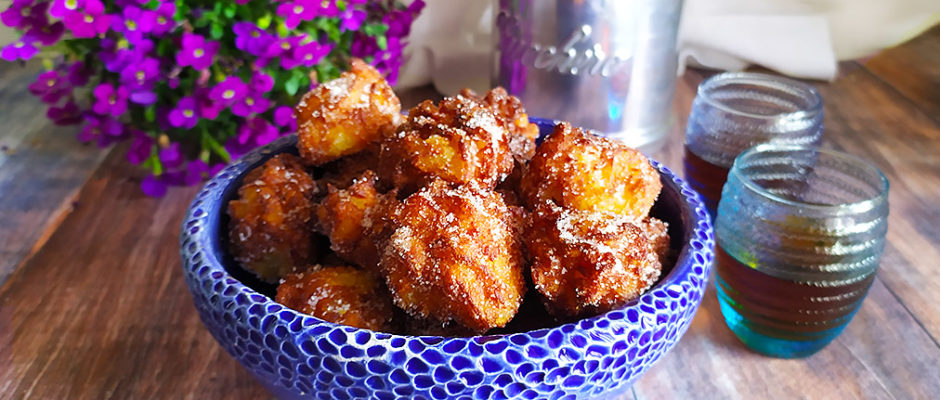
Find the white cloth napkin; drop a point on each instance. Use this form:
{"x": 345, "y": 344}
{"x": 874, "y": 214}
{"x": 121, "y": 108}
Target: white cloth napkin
{"x": 451, "y": 42}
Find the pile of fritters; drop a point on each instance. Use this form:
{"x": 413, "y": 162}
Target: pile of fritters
{"x": 450, "y": 213}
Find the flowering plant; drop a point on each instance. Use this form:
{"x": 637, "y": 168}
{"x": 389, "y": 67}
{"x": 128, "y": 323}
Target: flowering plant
{"x": 195, "y": 83}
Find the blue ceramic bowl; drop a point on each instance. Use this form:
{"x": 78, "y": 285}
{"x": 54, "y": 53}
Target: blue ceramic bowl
{"x": 300, "y": 356}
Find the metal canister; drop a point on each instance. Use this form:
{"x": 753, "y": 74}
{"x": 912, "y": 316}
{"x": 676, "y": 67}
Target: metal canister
{"x": 606, "y": 65}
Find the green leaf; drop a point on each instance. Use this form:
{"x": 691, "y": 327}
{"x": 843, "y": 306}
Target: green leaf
{"x": 382, "y": 42}
{"x": 216, "y": 32}
{"x": 229, "y": 10}
{"x": 282, "y": 30}
{"x": 292, "y": 85}
{"x": 265, "y": 21}
{"x": 150, "y": 114}
{"x": 375, "y": 29}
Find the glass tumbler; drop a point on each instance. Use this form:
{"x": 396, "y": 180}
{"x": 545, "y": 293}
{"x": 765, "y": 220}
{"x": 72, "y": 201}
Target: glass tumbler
{"x": 734, "y": 111}
{"x": 799, "y": 235}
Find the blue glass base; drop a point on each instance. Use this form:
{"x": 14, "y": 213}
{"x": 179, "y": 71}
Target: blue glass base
{"x": 771, "y": 346}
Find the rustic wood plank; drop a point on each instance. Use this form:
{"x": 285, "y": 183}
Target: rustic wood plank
{"x": 889, "y": 350}
{"x": 920, "y": 84}
{"x": 42, "y": 167}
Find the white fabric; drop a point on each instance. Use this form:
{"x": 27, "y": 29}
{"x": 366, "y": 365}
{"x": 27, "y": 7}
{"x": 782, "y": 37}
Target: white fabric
{"x": 451, "y": 42}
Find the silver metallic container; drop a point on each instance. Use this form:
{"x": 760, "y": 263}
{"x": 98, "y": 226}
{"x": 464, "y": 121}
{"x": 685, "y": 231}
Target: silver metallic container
{"x": 607, "y": 65}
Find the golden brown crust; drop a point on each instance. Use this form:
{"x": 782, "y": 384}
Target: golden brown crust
{"x": 511, "y": 114}
{"x": 340, "y": 294}
{"x": 347, "y": 218}
{"x": 342, "y": 172}
{"x": 586, "y": 172}
{"x": 269, "y": 229}
{"x": 345, "y": 115}
{"x": 460, "y": 141}
{"x": 587, "y": 262}
{"x": 453, "y": 255}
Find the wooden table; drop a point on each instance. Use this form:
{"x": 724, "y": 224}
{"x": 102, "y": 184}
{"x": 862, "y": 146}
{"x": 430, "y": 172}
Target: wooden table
{"x": 93, "y": 303}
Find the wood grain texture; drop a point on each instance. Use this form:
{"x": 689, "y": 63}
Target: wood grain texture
{"x": 102, "y": 311}
{"x": 42, "y": 168}
{"x": 913, "y": 70}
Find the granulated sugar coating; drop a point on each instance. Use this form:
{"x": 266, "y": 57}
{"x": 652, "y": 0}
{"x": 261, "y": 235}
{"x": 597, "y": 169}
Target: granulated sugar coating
{"x": 586, "y": 262}
{"x": 453, "y": 255}
{"x": 586, "y": 172}
{"x": 347, "y": 217}
{"x": 269, "y": 230}
{"x": 462, "y": 141}
{"x": 345, "y": 115}
{"x": 340, "y": 294}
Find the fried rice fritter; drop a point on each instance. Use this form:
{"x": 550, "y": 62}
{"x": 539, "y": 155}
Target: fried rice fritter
{"x": 340, "y": 294}
{"x": 453, "y": 255}
{"x": 348, "y": 217}
{"x": 460, "y": 141}
{"x": 345, "y": 115}
{"x": 511, "y": 114}
{"x": 586, "y": 172}
{"x": 586, "y": 262}
{"x": 269, "y": 229}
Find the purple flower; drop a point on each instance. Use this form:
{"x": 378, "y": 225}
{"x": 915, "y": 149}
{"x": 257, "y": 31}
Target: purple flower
{"x": 164, "y": 22}
{"x": 261, "y": 82}
{"x": 140, "y": 148}
{"x": 153, "y": 186}
{"x": 254, "y": 132}
{"x": 310, "y": 54}
{"x": 110, "y": 101}
{"x": 229, "y": 91}
{"x": 296, "y": 11}
{"x": 252, "y": 103}
{"x": 22, "y": 49}
{"x": 89, "y": 21}
{"x": 68, "y": 114}
{"x": 351, "y": 19}
{"x": 117, "y": 58}
{"x": 144, "y": 97}
{"x": 104, "y": 130}
{"x": 50, "y": 87}
{"x": 284, "y": 116}
{"x": 208, "y": 108}
{"x": 48, "y": 35}
{"x": 184, "y": 114}
{"x": 197, "y": 52}
{"x": 141, "y": 75}
{"x": 170, "y": 156}
{"x": 78, "y": 76}
{"x": 252, "y": 39}
{"x": 21, "y": 14}
{"x": 61, "y": 8}
{"x": 196, "y": 171}
{"x": 134, "y": 23}
{"x": 327, "y": 8}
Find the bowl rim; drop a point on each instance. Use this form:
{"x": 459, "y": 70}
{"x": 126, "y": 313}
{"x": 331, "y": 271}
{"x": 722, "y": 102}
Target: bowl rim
{"x": 207, "y": 206}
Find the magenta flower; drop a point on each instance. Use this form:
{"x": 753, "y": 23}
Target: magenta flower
{"x": 197, "y": 52}
{"x": 170, "y": 156}
{"x": 104, "y": 130}
{"x": 256, "y": 131}
{"x": 50, "y": 87}
{"x": 327, "y": 8}
{"x": 229, "y": 91}
{"x": 261, "y": 82}
{"x": 68, "y": 114}
{"x": 351, "y": 19}
{"x": 196, "y": 171}
{"x": 116, "y": 59}
{"x": 163, "y": 21}
{"x": 153, "y": 186}
{"x": 310, "y": 54}
{"x": 252, "y": 39}
{"x": 284, "y": 117}
{"x": 296, "y": 11}
{"x": 184, "y": 114}
{"x": 22, "y": 49}
{"x": 140, "y": 147}
{"x": 88, "y": 21}
{"x": 77, "y": 74}
{"x": 252, "y": 103}
{"x": 110, "y": 101}
{"x": 134, "y": 23}
{"x": 21, "y": 14}
{"x": 61, "y": 8}
{"x": 47, "y": 34}
{"x": 141, "y": 75}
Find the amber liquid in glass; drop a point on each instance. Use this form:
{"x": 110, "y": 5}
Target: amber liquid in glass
{"x": 783, "y": 309}
{"x": 706, "y": 178}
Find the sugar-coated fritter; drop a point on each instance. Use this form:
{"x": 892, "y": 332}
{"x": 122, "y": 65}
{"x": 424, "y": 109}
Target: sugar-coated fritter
{"x": 511, "y": 114}
{"x": 460, "y": 141}
{"x": 269, "y": 229}
{"x": 657, "y": 233}
{"x": 340, "y": 294}
{"x": 348, "y": 217}
{"x": 453, "y": 255}
{"x": 585, "y": 262}
{"x": 343, "y": 172}
{"x": 586, "y": 172}
{"x": 345, "y": 115}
